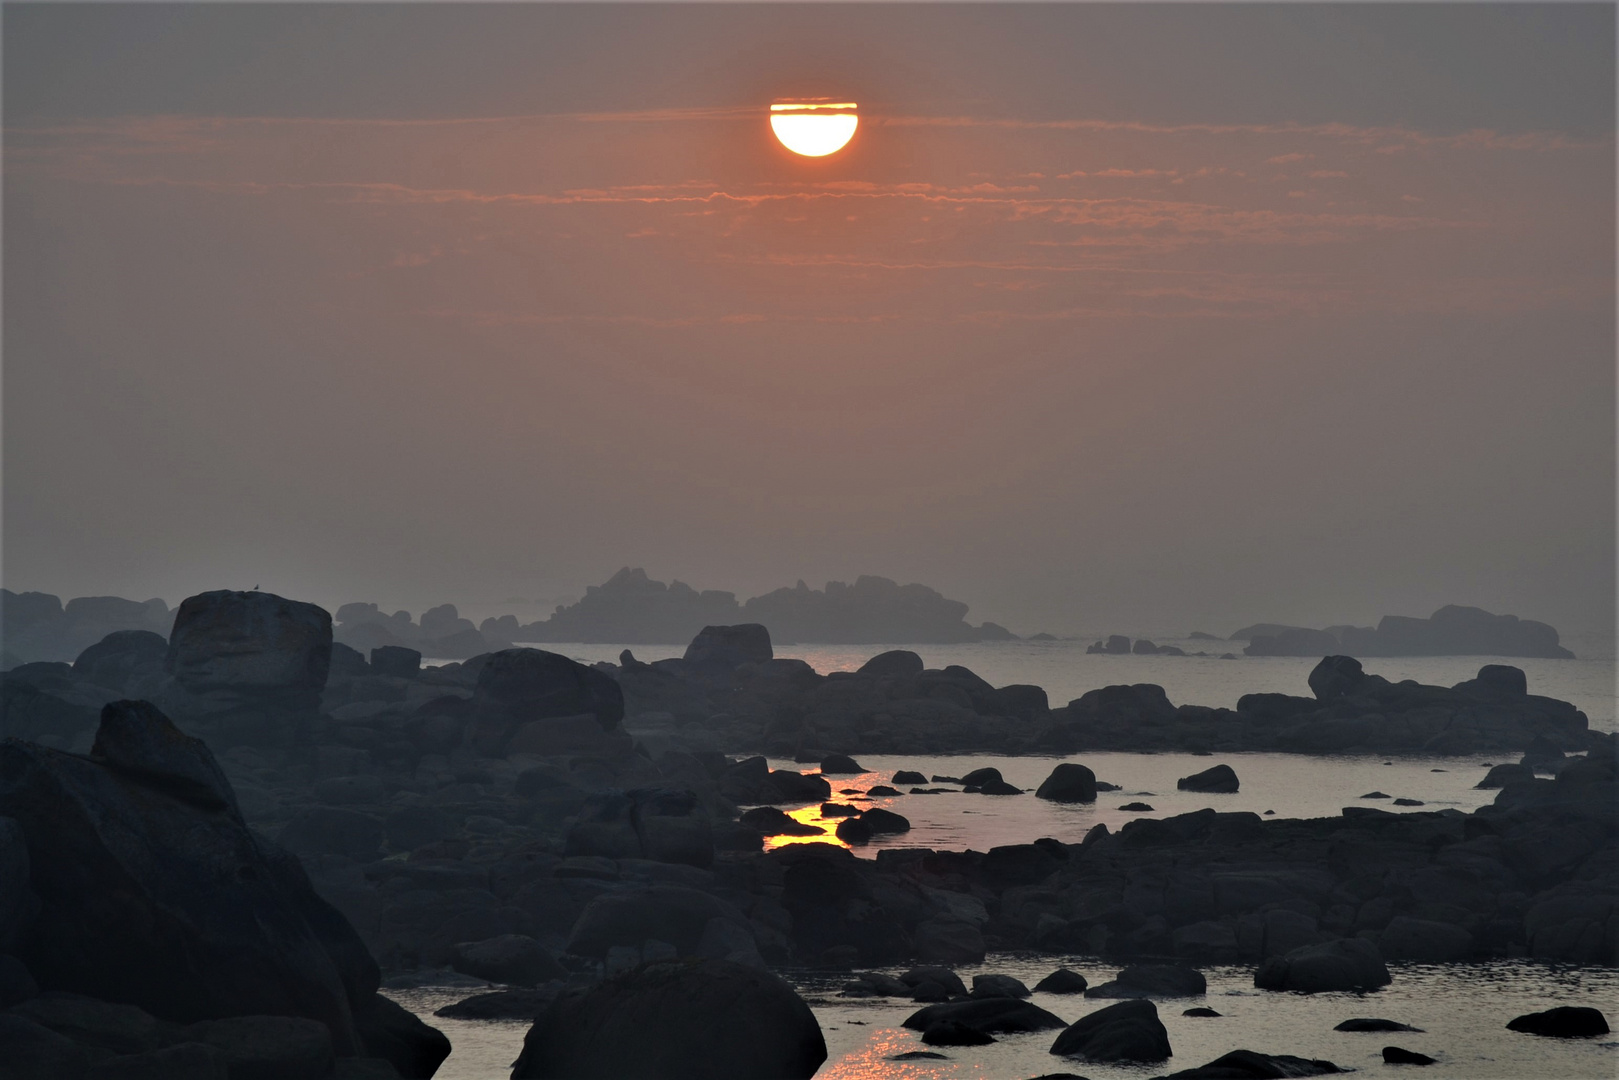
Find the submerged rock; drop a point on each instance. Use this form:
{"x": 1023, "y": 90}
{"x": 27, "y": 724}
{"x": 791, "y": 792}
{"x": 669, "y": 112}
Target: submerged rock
{"x": 1221, "y": 779}
{"x": 1152, "y": 980}
{"x": 955, "y": 1033}
{"x": 1394, "y": 1055}
{"x": 997, "y": 1015}
{"x": 688, "y": 1020}
{"x": 1563, "y": 1022}
{"x": 1248, "y": 1065}
{"x": 1373, "y": 1024}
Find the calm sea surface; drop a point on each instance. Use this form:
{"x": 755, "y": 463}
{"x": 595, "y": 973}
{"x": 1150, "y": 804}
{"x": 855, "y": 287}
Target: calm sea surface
{"x": 1463, "y": 1008}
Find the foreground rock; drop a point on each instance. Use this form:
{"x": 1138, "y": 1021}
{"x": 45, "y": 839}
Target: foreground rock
{"x": 703, "y": 1020}
{"x": 1563, "y": 1022}
{"x": 992, "y": 1016}
{"x": 1127, "y": 1031}
{"x": 1248, "y": 1065}
{"x": 153, "y": 892}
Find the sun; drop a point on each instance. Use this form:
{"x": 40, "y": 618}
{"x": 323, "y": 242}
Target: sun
{"x": 814, "y": 129}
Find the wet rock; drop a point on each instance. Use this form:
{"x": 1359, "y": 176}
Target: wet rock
{"x": 942, "y": 977}
{"x": 909, "y": 776}
{"x": 1068, "y": 783}
{"x": 1152, "y": 980}
{"x": 894, "y": 664}
{"x": 917, "y": 1055}
{"x": 1409, "y": 802}
{"x": 514, "y": 959}
{"x": 503, "y": 1004}
{"x": 1061, "y": 981}
{"x": 1221, "y": 779}
{"x": 840, "y": 765}
{"x": 1136, "y": 807}
{"x": 1202, "y": 1012}
{"x": 770, "y": 821}
{"x": 993, "y": 1016}
{"x": 999, "y": 787}
{"x": 980, "y": 777}
{"x": 854, "y": 831}
{"x": 268, "y": 1047}
{"x": 881, "y": 791}
{"x": 1346, "y": 964}
{"x": 1373, "y": 1023}
{"x": 1562, "y": 1022}
{"x": 955, "y": 1033}
{"x": 1394, "y": 1055}
{"x": 787, "y": 786}
{"x": 992, "y": 986}
{"x": 1126, "y": 1031}
{"x": 838, "y": 810}
{"x": 1248, "y": 1065}
{"x": 702, "y": 1020}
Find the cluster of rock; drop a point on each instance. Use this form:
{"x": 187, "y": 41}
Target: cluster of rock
{"x": 36, "y": 626}
{"x": 442, "y": 632}
{"x": 1120, "y": 645}
{"x": 632, "y": 609}
{"x": 1450, "y": 631}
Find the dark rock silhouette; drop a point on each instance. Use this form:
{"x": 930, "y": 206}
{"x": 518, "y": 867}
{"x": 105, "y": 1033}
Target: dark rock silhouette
{"x": 1248, "y": 1065}
{"x": 703, "y": 1020}
{"x": 955, "y": 1033}
{"x": 1450, "y": 631}
{"x": 1069, "y": 782}
{"x": 993, "y": 986}
{"x": 146, "y": 834}
{"x": 1562, "y": 1022}
{"x": 36, "y": 626}
{"x": 993, "y": 1016}
{"x": 1062, "y": 981}
{"x": 1221, "y": 779}
{"x": 442, "y": 633}
{"x": 1345, "y": 964}
{"x": 1394, "y": 1055}
{"x": 1127, "y": 1031}
{"x": 1152, "y": 980}
{"x": 516, "y": 959}
{"x": 1373, "y": 1024}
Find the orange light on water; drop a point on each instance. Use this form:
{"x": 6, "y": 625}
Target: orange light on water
{"x": 814, "y": 129}
{"x": 808, "y": 815}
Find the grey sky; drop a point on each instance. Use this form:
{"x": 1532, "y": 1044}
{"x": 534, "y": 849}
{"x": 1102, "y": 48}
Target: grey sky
{"x": 1113, "y": 317}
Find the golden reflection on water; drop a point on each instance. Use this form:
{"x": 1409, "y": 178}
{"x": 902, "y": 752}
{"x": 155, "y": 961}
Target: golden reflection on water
{"x": 811, "y": 814}
{"x": 871, "y": 1062}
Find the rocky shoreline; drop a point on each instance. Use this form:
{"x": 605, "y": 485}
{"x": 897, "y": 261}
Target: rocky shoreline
{"x": 531, "y": 821}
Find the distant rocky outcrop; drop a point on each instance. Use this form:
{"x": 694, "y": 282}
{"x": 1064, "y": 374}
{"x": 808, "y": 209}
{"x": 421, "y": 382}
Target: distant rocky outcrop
{"x": 442, "y": 633}
{"x": 1450, "y": 631}
{"x": 35, "y": 626}
{"x": 634, "y": 609}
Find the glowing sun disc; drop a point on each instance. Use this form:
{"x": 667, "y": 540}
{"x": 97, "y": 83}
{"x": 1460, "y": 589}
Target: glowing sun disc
{"x": 814, "y": 130}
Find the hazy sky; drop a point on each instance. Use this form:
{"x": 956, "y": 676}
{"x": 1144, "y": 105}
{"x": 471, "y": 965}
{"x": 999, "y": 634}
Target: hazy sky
{"x": 1130, "y": 318}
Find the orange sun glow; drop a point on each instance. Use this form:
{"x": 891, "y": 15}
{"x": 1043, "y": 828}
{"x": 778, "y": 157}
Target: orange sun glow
{"x": 814, "y": 129}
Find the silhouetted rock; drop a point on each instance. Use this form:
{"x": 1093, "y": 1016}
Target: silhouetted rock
{"x": 155, "y": 893}
{"x": 980, "y": 777}
{"x": 1394, "y": 1055}
{"x": 1061, "y": 981}
{"x": 909, "y": 776}
{"x": 725, "y": 648}
{"x": 994, "y": 1016}
{"x": 37, "y": 627}
{"x": 1201, "y": 1012}
{"x": 1248, "y": 1065}
{"x": 1069, "y": 782}
{"x": 1294, "y": 642}
{"x": 1450, "y": 631}
{"x": 770, "y": 821}
{"x": 1562, "y": 1022}
{"x": 667, "y": 825}
{"x": 840, "y": 765}
{"x": 1497, "y": 680}
{"x": 128, "y": 661}
{"x": 703, "y": 1020}
{"x": 854, "y": 831}
{"x": 894, "y": 664}
{"x": 1335, "y": 677}
{"x": 1152, "y": 980}
{"x": 879, "y": 820}
{"x": 1221, "y": 779}
{"x": 1346, "y": 964}
{"x": 246, "y": 666}
{"x": 542, "y": 699}
{"x": 993, "y": 986}
{"x": 1126, "y": 1031}
{"x": 1373, "y": 1024}
{"x": 671, "y": 913}
{"x": 955, "y": 1033}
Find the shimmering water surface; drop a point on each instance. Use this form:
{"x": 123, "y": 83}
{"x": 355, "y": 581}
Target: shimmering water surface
{"x": 1463, "y": 1010}
{"x": 1066, "y": 671}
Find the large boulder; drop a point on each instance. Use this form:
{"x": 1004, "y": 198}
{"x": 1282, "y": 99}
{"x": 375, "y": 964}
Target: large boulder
{"x": 894, "y": 664}
{"x": 1563, "y": 1022}
{"x": 689, "y": 1020}
{"x": 662, "y": 824}
{"x": 992, "y": 1016}
{"x": 1220, "y": 780}
{"x": 1126, "y": 1031}
{"x": 1069, "y": 782}
{"x": 522, "y": 694}
{"x": 155, "y": 893}
{"x": 725, "y": 648}
{"x": 1152, "y": 980}
{"x": 1336, "y": 677}
{"x": 515, "y": 959}
{"x": 128, "y": 661}
{"x": 1346, "y": 964}
{"x": 240, "y": 664}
